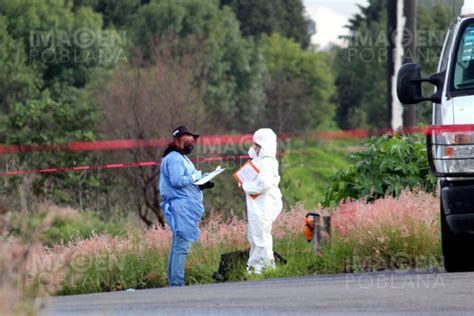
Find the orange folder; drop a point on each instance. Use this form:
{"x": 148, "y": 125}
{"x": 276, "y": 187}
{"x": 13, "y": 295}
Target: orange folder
{"x": 245, "y": 173}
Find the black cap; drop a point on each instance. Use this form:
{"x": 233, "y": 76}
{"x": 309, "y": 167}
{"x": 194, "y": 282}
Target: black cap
{"x": 183, "y": 130}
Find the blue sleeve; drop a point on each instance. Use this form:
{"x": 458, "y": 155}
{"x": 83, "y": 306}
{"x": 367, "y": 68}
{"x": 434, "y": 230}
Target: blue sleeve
{"x": 177, "y": 170}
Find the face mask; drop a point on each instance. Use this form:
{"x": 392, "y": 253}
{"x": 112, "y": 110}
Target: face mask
{"x": 188, "y": 148}
{"x": 252, "y": 153}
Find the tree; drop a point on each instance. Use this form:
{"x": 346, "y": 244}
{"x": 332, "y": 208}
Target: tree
{"x": 299, "y": 87}
{"x": 17, "y": 80}
{"x": 45, "y": 121}
{"x": 116, "y": 13}
{"x": 60, "y": 45}
{"x": 361, "y": 67}
{"x": 258, "y": 17}
{"x": 48, "y": 53}
{"x": 147, "y": 103}
{"x": 361, "y": 71}
{"x": 233, "y": 70}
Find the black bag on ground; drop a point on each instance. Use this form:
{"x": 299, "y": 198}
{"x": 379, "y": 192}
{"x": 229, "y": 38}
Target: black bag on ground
{"x": 236, "y": 262}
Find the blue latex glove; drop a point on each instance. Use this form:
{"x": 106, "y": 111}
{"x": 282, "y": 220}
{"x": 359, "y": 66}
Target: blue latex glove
{"x": 197, "y": 175}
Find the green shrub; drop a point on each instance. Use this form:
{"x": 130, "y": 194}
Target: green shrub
{"x": 387, "y": 165}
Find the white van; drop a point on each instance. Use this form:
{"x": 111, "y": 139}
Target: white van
{"x": 451, "y": 138}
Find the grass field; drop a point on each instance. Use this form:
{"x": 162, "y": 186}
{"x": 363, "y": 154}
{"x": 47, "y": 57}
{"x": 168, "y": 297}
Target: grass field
{"x": 80, "y": 252}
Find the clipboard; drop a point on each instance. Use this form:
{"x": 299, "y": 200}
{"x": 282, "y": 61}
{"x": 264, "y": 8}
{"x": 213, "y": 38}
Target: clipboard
{"x": 246, "y": 173}
{"x": 210, "y": 176}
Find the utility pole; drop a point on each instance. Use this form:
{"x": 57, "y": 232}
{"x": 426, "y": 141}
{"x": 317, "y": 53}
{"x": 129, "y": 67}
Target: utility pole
{"x": 391, "y": 29}
{"x": 409, "y": 114}
{"x": 402, "y": 49}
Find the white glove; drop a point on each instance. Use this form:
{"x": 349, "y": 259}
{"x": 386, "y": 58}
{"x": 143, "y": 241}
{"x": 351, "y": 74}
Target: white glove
{"x": 196, "y": 176}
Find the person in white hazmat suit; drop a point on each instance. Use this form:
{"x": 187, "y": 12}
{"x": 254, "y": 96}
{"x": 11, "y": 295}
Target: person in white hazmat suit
{"x": 263, "y": 209}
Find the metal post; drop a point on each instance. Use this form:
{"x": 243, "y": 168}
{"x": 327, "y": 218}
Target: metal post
{"x": 326, "y": 227}
{"x": 316, "y": 233}
{"x": 321, "y": 231}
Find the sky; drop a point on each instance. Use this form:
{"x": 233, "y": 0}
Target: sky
{"x": 330, "y": 17}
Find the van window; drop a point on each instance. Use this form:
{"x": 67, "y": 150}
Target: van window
{"x": 464, "y": 66}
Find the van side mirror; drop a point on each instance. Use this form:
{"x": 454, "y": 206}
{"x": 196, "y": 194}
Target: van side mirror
{"x": 409, "y": 85}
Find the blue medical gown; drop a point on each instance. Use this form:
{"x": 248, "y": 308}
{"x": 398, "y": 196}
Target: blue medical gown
{"x": 181, "y": 200}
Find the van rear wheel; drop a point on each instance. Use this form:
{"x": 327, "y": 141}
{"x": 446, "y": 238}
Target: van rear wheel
{"x": 456, "y": 248}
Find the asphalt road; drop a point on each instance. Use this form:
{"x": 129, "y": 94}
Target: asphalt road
{"x": 396, "y": 293}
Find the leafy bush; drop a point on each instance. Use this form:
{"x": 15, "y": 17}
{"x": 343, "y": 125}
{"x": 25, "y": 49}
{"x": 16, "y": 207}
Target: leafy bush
{"x": 387, "y": 166}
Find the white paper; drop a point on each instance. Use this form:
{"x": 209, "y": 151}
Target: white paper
{"x": 247, "y": 173}
{"x": 210, "y": 176}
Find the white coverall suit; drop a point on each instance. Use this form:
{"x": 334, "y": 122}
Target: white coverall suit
{"x": 265, "y": 208}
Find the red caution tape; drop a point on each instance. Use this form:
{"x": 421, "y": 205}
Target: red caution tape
{"x": 449, "y": 128}
{"x": 124, "y": 144}
{"x": 125, "y": 165}
{"x": 81, "y": 168}
{"x": 203, "y": 141}
{"x": 117, "y": 165}
{"x": 120, "y": 144}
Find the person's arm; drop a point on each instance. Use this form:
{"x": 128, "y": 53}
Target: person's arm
{"x": 178, "y": 178}
{"x": 263, "y": 181}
